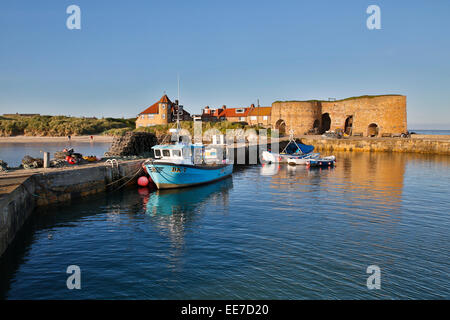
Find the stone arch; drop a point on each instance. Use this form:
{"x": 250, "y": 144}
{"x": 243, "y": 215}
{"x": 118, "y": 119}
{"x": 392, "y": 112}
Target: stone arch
{"x": 280, "y": 125}
{"x": 372, "y": 130}
{"x": 348, "y": 127}
{"x": 316, "y": 124}
{"x": 326, "y": 122}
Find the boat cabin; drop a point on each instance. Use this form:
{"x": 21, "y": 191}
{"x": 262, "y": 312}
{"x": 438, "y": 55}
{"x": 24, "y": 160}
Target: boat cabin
{"x": 188, "y": 154}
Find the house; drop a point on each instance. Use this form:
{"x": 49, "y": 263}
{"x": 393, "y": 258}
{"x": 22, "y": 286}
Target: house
{"x": 259, "y": 115}
{"x": 162, "y": 112}
{"x": 224, "y": 113}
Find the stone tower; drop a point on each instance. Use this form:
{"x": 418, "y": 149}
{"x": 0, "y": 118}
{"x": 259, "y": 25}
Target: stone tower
{"x": 164, "y": 106}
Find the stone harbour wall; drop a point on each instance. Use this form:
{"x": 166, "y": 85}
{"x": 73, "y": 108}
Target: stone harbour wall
{"x": 381, "y": 145}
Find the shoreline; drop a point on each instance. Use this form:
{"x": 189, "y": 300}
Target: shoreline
{"x": 45, "y": 139}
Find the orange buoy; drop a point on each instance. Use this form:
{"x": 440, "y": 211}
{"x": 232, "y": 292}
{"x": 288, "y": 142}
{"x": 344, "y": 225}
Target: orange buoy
{"x": 143, "y": 181}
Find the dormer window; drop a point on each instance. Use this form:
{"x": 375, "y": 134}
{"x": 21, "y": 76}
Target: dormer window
{"x": 240, "y": 110}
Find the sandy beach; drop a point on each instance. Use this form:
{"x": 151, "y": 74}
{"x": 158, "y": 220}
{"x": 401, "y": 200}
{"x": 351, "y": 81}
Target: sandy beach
{"x": 31, "y": 139}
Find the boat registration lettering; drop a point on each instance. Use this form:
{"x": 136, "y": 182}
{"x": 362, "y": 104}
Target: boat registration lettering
{"x": 156, "y": 169}
{"x": 178, "y": 170}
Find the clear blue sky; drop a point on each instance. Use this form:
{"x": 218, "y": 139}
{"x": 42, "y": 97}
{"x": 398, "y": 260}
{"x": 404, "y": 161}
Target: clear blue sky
{"x": 128, "y": 53}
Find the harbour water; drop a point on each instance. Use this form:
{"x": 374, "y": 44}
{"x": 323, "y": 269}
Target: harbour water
{"x": 267, "y": 232}
{"x": 13, "y": 153}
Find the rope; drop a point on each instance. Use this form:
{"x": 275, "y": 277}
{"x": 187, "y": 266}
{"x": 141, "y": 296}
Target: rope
{"x": 128, "y": 180}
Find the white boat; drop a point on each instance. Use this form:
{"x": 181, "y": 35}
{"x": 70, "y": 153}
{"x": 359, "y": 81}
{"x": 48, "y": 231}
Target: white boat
{"x": 292, "y": 151}
{"x": 298, "y": 161}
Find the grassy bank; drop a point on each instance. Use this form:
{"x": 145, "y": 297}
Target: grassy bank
{"x": 58, "y": 126}
{"x": 207, "y": 128}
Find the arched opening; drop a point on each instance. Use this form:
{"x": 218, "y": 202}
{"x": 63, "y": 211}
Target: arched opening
{"x": 372, "y": 130}
{"x": 316, "y": 127}
{"x": 281, "y": 127}
{"x": 316, "y": 124}
{"x": 348, "y": 125}
{"x": 326, "y": 122}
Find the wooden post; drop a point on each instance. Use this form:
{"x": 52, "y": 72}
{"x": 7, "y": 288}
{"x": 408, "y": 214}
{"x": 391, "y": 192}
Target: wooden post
{"x": 46, "y": 159}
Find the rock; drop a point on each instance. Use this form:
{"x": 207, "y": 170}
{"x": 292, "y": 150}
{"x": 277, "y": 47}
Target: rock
{"x": 32, "y": 163}
{"x": 132, "y": 144}
{"x": 3, "y": 166}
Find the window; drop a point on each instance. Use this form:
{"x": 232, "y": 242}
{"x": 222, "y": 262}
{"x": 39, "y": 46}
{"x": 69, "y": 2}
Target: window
{"x": 143, "y": 116}
{"x": 240, "y": 110}
{"x": 166, "y": 153}
{"x": 186, "y": 152}
{"x": 265, "y": 117}
{"x": 150, "y": 116}
{"x": 253, "y": 118}
{"x": 241, "y": 118}
{"x": 157, "y": 153}
{"x": 176, "y": 153}
{"x": 163, "y": 106}
{"x": 164, "y": 115}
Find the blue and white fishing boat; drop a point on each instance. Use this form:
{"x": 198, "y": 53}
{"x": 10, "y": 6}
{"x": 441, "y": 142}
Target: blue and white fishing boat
{"x": 184, "y": 164}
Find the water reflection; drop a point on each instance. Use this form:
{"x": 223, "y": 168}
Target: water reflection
{"x": 174, "y": 209}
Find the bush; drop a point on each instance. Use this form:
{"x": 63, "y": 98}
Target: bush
{"x": 60, "y": 125}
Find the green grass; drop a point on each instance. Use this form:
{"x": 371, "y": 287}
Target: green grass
{"x": 350, "y": 98}
{"x": 60, "y": 125}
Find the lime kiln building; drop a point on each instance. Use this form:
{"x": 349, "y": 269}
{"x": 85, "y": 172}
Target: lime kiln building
{"x": 366, "y": 115}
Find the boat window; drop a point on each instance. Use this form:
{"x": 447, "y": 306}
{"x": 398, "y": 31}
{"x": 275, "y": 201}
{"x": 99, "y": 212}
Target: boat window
{"x": 176, "y": 153}
{"x": 186, "y": 152}
{"x": 157, "y": 153}
{"x": 166, "y": 153}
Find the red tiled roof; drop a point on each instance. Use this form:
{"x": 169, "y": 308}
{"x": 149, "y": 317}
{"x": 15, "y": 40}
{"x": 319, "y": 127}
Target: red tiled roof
{"x": 261, "y": 111}
{"x": 154, "y": 108}
{"x": 231, "y": 112}
{"x": 165, "y": 99}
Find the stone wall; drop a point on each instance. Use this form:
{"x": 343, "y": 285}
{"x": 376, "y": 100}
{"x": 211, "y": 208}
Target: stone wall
{"x": 387, "y": 112}
{"x": 381, "y": 145}
{"x": 132, "y": 144}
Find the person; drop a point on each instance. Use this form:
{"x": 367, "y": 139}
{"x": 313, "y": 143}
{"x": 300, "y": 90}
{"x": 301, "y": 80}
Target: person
{"x": 92, "y": 138}
{"x": 68, "y": 137}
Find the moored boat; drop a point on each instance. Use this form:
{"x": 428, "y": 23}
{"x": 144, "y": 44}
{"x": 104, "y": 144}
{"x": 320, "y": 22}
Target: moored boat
{"x": 184, "y": 164}
{"x": 329, "y": 161}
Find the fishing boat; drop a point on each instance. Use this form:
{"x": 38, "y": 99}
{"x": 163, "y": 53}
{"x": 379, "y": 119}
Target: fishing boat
{"x": 184, "y": 164}
{"x": 302, "y": 160}
{"x": 322, "y": 162}
{"x": 294, "y": 152}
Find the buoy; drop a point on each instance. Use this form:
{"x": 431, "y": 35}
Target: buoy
{"x": 71, "y": 161}
{"x": 143, "y": 191}
{"x": 143, "y": 181}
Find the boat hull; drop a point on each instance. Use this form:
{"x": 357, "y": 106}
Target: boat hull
{"x": 170, "y": 175}
{"x": 286, "y": 158}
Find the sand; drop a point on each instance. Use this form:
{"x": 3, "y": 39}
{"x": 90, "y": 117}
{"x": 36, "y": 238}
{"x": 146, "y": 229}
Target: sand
{"x": 30, "y": 139}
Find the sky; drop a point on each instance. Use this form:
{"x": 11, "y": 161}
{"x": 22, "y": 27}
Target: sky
{"x": 127, "y": 54}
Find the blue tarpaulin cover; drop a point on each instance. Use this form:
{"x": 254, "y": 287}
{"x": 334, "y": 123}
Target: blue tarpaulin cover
{"x": 304, "y": 148}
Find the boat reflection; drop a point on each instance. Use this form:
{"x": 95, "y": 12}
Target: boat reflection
{"x": 269, "y": 169}
{"x": 186, "y": 200}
